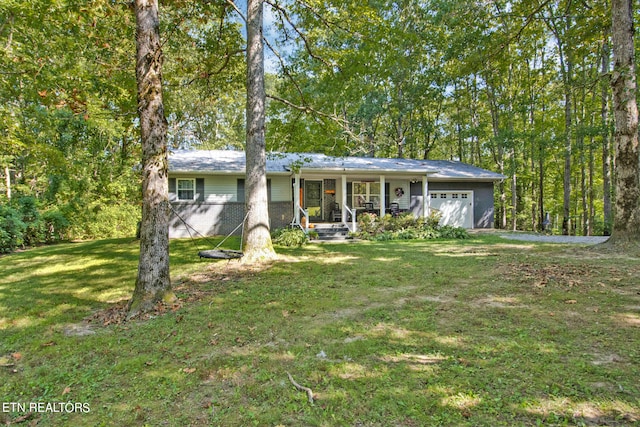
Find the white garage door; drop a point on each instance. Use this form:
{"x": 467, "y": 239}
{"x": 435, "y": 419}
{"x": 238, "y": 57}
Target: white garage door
{"x": 456, "y": 207}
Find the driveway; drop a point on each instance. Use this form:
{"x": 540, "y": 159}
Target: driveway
{"x": 582, "y": 240}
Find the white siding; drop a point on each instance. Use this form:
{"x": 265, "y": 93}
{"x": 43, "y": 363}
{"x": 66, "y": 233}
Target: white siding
{"x": 220, "y": 189}
{"x": 281, "y": 189}
{"x": 405, "y": 200}
{"x": 223, "y": 188}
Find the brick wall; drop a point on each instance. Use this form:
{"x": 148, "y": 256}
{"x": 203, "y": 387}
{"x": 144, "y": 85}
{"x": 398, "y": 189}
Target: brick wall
{"x": 211, "y": 219}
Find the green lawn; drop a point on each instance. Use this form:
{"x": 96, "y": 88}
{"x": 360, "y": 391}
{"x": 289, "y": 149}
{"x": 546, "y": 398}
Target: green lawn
{"x": 480, "y": 332}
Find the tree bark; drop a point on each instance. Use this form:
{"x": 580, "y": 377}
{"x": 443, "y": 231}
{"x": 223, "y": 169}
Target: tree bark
{"x": 7, "y": 177}
{"x": 568, "y": 124}
{"x": 153, "y": 283}
{"x": 626, "y": 226}
{"x": 566, "y": 70}
{"x": 606, "y": 141}
{"x": 257, "y": 236}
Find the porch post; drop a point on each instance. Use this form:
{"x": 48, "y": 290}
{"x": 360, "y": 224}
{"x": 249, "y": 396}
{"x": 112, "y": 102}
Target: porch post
{"x": 383, "y": 202}
{"x": 296, "y": 199}
{"x": 426, "y": 198}
{"x": 344, "y": 199}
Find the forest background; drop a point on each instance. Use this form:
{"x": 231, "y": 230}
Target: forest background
{"x": 518, "y": 87}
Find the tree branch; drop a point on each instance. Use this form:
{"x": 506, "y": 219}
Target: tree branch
{"x": 238, "y": 11}
{"x": 284, "y": 14}
{"x": 302, "y": 388}
{"x": 343, "y": 123}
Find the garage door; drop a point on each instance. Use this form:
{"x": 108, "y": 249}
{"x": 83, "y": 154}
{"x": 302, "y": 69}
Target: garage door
{"x": 456, "y": 207}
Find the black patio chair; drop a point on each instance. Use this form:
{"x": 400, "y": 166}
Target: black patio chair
{"x": 394, "y": 209}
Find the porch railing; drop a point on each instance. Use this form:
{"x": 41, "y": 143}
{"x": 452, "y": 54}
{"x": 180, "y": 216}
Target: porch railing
{"x": 306, "y": 219}
{"x": 353, "y": 218}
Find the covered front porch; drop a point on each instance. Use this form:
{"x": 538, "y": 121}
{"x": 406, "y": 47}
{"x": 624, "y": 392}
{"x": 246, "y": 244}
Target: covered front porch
{"x": 340, "y": 198}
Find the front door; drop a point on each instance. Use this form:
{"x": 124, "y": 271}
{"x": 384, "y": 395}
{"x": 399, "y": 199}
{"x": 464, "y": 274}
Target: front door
{"x": 313, "y": 199}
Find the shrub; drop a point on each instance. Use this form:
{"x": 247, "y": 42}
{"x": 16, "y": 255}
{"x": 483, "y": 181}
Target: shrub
{"x": 408, "y": 220}
{"x": 34, "y": 232}
{"x": 405, "y": 227}
{"x": 408, "y": 234}
{"x": 368, "y": 224}
{"x": 291, "y": 237}
{"x": 104, "y": 219}
{"x": 384, "y": 236}
{"x": 23, "y": 225}
{"x": 56, "y": 226}
{"x": 433, "y": 220}
{"x": 428, "y": 233}
{"x": 449, "y": 232}
{"x": 12, "y": 229}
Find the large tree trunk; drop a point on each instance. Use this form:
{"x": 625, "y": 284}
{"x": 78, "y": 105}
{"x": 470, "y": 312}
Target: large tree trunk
{"x": 257, "y": 237}
{"x": 626, "y": 226}
{"x": 153, "y": 283}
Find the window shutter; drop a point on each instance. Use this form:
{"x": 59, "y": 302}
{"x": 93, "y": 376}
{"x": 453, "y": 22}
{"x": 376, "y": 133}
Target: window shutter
{"x": 387, "y": 193}
{"x": 172, "y": 185}
{"x": 200, "y": 189}
{"x": 269, "y": 190}
{"x": 350, "y": 194}
{"x": 240, "y": 190}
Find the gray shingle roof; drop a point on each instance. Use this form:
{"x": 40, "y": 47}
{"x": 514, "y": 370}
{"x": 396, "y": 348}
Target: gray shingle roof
{"x": 222, "y": 161}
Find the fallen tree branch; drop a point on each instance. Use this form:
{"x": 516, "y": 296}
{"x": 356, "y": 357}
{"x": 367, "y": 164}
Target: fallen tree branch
{"x": 301, "y": 388}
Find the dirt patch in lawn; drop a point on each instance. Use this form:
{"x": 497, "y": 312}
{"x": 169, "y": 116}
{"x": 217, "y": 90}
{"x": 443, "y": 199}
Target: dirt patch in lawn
{"x": 540, "y": 275}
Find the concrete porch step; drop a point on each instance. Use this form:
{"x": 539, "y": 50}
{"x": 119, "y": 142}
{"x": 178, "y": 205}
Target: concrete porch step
{"x": 331, "y": 231}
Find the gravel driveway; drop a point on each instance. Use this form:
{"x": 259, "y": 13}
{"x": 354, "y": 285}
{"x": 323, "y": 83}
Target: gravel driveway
{"x": 582, "y": 240}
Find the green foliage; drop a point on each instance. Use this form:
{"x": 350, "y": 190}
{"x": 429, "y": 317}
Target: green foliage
{"x": 101, "y": 219}
{"x": 450, "y": 232}
{"x": 22, "y": 224}
{"x": 433, "y": 220}
{"x": 368, "y": 224}
{"x": 405, "y": 227}
{"x": 204, "y": 72}
{"x": 56, "y": 226}
{"x": 458, "y": 80}
{"x": 421, "y": 79}
{"x": 290, "y": 237}
{"x": 69, "y": 129}
{"x": 35, "y": 231}
{"x": 12, "y": 229}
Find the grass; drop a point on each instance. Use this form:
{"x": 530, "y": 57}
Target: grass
{"x": 480, "y": 332}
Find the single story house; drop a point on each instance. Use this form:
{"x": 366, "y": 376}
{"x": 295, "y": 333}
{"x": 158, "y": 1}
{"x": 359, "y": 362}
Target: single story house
{"x": 206, "y": 190}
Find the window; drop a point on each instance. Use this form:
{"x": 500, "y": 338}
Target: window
{"x": 454, "y": 196}
{"x": 186, "y": 189}
{"x": 443, "y": 195}
{"x": 359, "y": 194}
{"x": 374, "y": 194}
{"x": 364, "y": 192}
{"x": 464, "y": 195}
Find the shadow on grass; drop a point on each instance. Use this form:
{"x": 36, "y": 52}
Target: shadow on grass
{"x": 63, "y": 283}
{"x": 396, "y": 333}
